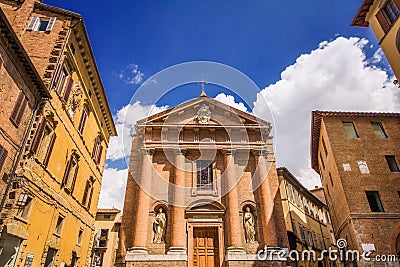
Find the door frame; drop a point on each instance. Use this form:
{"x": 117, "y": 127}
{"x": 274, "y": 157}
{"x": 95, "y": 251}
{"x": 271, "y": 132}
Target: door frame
{"x": 205, "y": 224}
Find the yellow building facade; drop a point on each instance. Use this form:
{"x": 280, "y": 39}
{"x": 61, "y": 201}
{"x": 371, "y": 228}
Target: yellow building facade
{"x": 50, "y": 221}
{"x": 382, "y": 16}
{"x": 307, "y": 221}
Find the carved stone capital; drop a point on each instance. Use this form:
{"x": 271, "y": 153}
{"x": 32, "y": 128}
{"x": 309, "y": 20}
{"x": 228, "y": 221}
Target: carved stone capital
{"x": 228, "y": 151}
{"x": 259, "y": 152}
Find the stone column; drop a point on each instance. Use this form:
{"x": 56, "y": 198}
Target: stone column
{"x": 140, "y": 231}
{"x": 232, "y": 211}
{"x": 266, "y": 199}
{"x": 178, "y": 225}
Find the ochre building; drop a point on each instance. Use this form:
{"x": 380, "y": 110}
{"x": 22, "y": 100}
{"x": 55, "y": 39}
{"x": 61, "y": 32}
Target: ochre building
{"x": 382, "y": 16}
{"x": 49, "y": 209}
{"x": 357, "y": 157}
{"x": 202, "y": 189}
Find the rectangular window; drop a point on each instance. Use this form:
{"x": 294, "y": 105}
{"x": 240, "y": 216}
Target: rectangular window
{"x": 41, "y": 24}
{"x": 3, "y": 156}
{"x": 71, "y": 171}
{"x": 59, "y": 225}
{"x": 391, "y": 160}
{"x": 324, "y": 146}
{"x": 82, "y": 122}
{"x": 330, "y": 178}
{"x": 204, "y": 175}
{"x": 97, "y": 150}
{"x": 350, "y": 130}
{"x": 322, "y": 161}
{"x": 50, "y": 258}
{"x": 19, "y": 109}
{"x": 378, "y": 130}
{"x": 102, "y": 238}
{"x": 80, "y": 236}
{"x": 1, "y": 62}
{"x": 374, "y": 201}
{"x": 24, "y": 204}
{"x": 88, "y": 193}
{"x": 294, "y": 228}
{"x": 391, "y": 11}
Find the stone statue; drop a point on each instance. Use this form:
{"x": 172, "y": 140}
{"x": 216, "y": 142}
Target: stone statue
{"x": 159, "y": 226}
{"x": 75, "y": 101}
{"x": 249, "y": 226}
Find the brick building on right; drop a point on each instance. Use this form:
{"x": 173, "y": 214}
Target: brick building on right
{"x": 357, "y": 155}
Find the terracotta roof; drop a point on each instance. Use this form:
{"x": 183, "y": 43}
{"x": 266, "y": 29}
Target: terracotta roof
{"x": 17, "y": 48}
{"x": 113, "y": 210}
{"x": 316, "y": 127}
{"x": 359, "y": 19}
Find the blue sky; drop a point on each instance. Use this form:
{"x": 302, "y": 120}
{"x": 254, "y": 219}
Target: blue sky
{"x": 303, "y": 55}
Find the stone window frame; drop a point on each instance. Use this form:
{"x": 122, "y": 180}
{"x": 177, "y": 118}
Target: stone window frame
{"x": 71, "y": 172}
{"x": 202, "y": 192}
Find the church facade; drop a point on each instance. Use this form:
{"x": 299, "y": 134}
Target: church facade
{"x": 202, "y": 190}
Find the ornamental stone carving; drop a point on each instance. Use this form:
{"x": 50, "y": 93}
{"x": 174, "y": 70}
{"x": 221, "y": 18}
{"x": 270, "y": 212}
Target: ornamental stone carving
{"x": 203, "y": 115}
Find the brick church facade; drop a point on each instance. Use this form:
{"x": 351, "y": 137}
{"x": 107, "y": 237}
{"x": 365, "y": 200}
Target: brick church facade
{"x": 202, "y": 189}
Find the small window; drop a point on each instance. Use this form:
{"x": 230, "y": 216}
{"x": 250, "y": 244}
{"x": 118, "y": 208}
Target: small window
{"x": 59, "y": 225}
{"x": 97, "y": 150}
{"x": 102, "y": 238}
{"x": 43, "y": 142}
{"x": 378, "y": 130}
{"x": 88, "y": 193}
{"x": 80, "y": 236}
{"x": 19, "y": 109}
{"x": 1, "y": 62}
{"x": 391, "y": 11}
{"x": 204, "y": 175}
{"x": 350, "y": 130}
{"x": 330, "y": 178}
{"x": 41, "y": 24}
{"x": 107, "y": 217}
{"x": 391, "y": 160}
{"x": 72, "y": 49}
{"x": 374, "y": 201}
{"x": 50, "y": 258}
{"x": 322, "y": 161}
{"x": 3, "y": 156}
{"x": 24, "y": 204}
{"x": 398, "y": 192}
{"x": 294, "y": 227}
{"x": 324, "y": 146}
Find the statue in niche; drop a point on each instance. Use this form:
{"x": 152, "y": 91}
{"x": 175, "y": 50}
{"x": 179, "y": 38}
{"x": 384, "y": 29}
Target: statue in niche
{"x": 249, "y": 226}
{"x": 76, "y": 99}
{"x": 159, "y": 226}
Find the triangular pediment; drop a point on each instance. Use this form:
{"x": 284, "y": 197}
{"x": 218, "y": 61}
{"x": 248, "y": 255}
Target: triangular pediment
{"x": 203, "y": 111}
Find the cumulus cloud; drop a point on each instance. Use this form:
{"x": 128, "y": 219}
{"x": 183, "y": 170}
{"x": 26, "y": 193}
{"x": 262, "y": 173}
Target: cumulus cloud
{"x": 230, "y": 100}
{"x": 335, "y": 76}
{"x": 131, "y": 74}
{"x": 113, "y": 188}
{"x": 125, "y": 121}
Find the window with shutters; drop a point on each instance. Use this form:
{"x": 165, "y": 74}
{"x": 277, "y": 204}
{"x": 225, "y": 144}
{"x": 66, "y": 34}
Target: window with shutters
{"x": 71, "y": 172}
{"x": 388, "y": 14}
{"x": 97, "y": 150}
{"x": 64, "y": 83}
{"x": 88, "y": 193}
{"x": 82, "y": 121}
{"x": 19, "y": 109}
{"x": 3, "y": 156}
{"x": 1, "y": 62}
{"x": 41, "y": 24}
{"x": 43, "y": 143}
{"x": 24, "y": 204}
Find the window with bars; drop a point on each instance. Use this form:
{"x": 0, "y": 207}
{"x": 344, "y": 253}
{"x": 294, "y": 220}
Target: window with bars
{"x": 97, "y": 150}
{"x": 19, "y": 109}
{"x": 204, "y": 175}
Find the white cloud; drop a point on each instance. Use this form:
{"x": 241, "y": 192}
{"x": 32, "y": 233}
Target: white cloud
{"x": 230, "y": 100}
{"x": 113, "y": 188}
{"x": 378, "y": 55}
{"x": 125, "y": 121}
{"x": 131, "y": 74}
{"x": 335, "y": 76}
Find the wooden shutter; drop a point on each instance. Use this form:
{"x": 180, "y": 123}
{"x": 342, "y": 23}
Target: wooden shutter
{"x": 99, "y": 151}
{"x": 22, "y": 110}
{"x": 57, "y": 74}
{"x": 68, "y": 89}
{"x": 49, "y": 150}
{"x": 51, "y": 24}
{"x": 3, "y": 156}
{"x": 82, "y": 122}
{"x": 32, "y": 24}
{"x": 67, "y": 171}
{"x": 38, "y": 136}
{"x": 17, "y": 107}
{"x": 380, "y": 16}
{"x": 1, "y": 62}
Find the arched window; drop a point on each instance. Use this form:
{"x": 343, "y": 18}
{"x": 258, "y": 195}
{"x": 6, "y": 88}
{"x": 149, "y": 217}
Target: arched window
{"x": 97, "y": 150}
